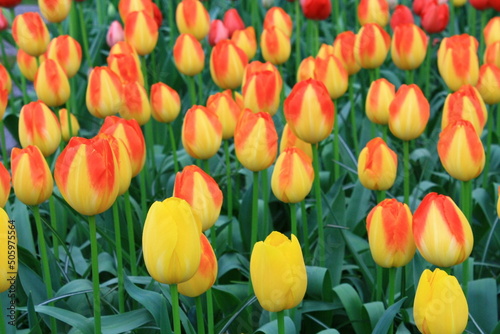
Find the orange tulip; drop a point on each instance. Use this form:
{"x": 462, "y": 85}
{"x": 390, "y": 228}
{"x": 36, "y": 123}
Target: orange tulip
{"x": 192, "y": 18}
{"x": 343, "y": 49}
{"x": 67, "y": 52}
{"x": 125, "y": 66}
{"x": 189, "y": 57}
{"x": 63, "y": 119}
{"x": 104, "y": 95}
{"x": 306, "y": 69}
{"x": 467, "y": 104}
{"x": 125, "y": 48}
{"x": 55, "y": 11}
{"x": 275, "y": 45}
{"x": 491, "y": 31}
{"x": 4, "y": 99}
{"x": 4, "y": 185}
{"x": 246, "y": 40}
{"x": 277, "y": 17}
{"x": 377, "y": 165}
{"x": 165, "y": 103}
{"x": 5, "y": 80}
{"x": 201, "y": 132}
{"x": 30, "y": 33}
{"x": 227, "y": 64}
{"x": 373, "y": 11}
{"x": 261, "y": 91}
{"x": 126, "y": 7}
{"x": 492, "y": 54}
{"x": 141, "y": 31}
{"x": 409, "y": 46}
{"x": 135, "y": 103}
{"x": 289, "y": 139}
{"x": 325, "y": 50}
{"x": 27, "y": 65}
{"x": 51, "y": 84}
{"x": 332, "y": 73}
{"x": 226, "y": 110}
{"x": 488, "y": 84}
{"x": 380, "y": 96}
{"x": 371, "y": 46}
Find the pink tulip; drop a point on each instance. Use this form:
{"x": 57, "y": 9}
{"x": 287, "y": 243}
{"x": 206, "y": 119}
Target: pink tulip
{"x": 115, "y": 34}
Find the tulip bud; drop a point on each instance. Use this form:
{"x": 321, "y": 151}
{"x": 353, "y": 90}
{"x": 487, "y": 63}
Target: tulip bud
{"x": 31, "y": 177}
{"x": 389, "y": 227}
{"x": 492, "y": 31}
{"x": 30, "y": 33}
{"x": 233, "y": 21}
{"x": 201, "y": 192}
{"x": 157, "y": 15}
{"x": 465, "y": 104}
{"x": 277, "y": 17}
{"x": 442, "y": 233}
{"x": 480, "y": 4}
{"x": 458, "y": 63}
{"x": 488, "y": 84}
{"x": 278, "y": 272}
{"x": 246, "y": 40}
{"x": 4, "y": 99}
{"x": 257, "y": 66}
{"x": 125, "y": 48}
{"x": 343, "y": 49}
{"x": 104, "y": 95}
{"x": 192, "y": 18}
{"x": 27, "y": 65}
{"x": 51, "y": 84}
{"x": 371, "y": 46}
{"x": 63, "y": 119}
{"x": 206, "y": 274}
{"x": 218, "y": 32}
{"x": 289, "y": 139}
{"x": 4, "y": 186}
{"x": 316, "y": 9}
{"x": 227, "y": 64}
{"x": 39, "y": 126}
{"x": 201, "y": 133}
{"x": 5, "y": 80}
{"x": 86, "y": 174}
{"x": 380, "y": 96}
{"x": 325, "y": 50}
{"x": 135, "y": 103}
{"x": 8, "y": 252}
{"x": 126, "y": 7}
{"x": 261, "y": 91}
{"x": 401, "y": 15}
{"x": 165, "y": 103}
{"x": 409, "y": 112}
{"x": 435, "y": 16}
{"x": 255, "y": 140}
{"x": 141, "y": 32}
{"x": 492, "y": 54}
{"x": 54, "y": 11}
{"x": 309, "y": 111}
{"x": 409, "y": 46}
{"x": 332, "y": 73}
{"x": 130, "y": 133}
{"x": 171, "y": 241}
{"x": 306, "y": 69}
{"x": 226, "y": 110}
{"x": 4, "y": 23}
{"x": 126, "y": 67}
{"x": 440, "y": 305}
{"x": 377, "y": 165}
{"x": 189, "y": 57}
{"x": 67, "y": 52}
{"x": 275, "y": 45}
{"x": 9, "y": 3}
{"x": 373, "y": 11}
{"x": 115, "y": 33}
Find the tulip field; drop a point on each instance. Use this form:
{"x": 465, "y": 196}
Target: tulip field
{"x": 228, "y": 167}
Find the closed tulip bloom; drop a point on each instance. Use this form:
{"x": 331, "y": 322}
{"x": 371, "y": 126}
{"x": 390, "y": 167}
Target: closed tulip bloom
{"x": 332, "y": 73}
{"x": 141, "y": 32}
{"x": 4, "y": 185}
{"x": 408, "y": 113}
{"x": 255, "y": 140}
{"x": 63, "y": 119}
{"x": 5, "y": 80}
{"x": 54, "y": 11}
{"x": 373, "y": 11}
{"x": 51, "y": 84}
{"x": 461, "y": 151}
{"x": 380, "y": 96}
{"x": 135, "y": 103}
{"x": 189, "y": 57}
{"x": 458, "y": 63}
{"x": 262, "y": 90}
{"x": 124, "y": 48}
{"x": 218, "y": 32}
{"x": 201, "y": 132}
{"x": 165, "y": 103}
{"x": 442, "y": 233}
{"x": 232, "y": 21}
{"x": 246, "y": 40}
{"x": 226, "y": 110}
{"x": 130, "y": 133}
{"x": 492, "y": 31}
{"x": 257, "y": 66}
{"x": 67, "y": 52}
{"x": 371, "y": 46}
{"x": 289, "y": 139}
{"x": 488, "y": 84}
{"x": 227, "y": 64}
{"x": 4, "y": 99}
{"x": 201, "y": 192}
{"x": 465, "y": 104}
{"x": 480, "y": 4}
{"x": 30, "y": 33}
{"x": 104, "y": 95}
{"x": 115, "y": 33}
{"x": 4, "y": 23}
{"x": 39, "y": 126}
{"x": 278, "y": 272}
{"x": 316, "y": 9}
{"x": 309, "y": 111}
{"x": 306, "y": 69}
{"x": 377, "y": 165}
{"x": 401, "y": 15}
{"x": 343, "y": 49}
{"x": 440, "y": 305}
{"x": 171, "y": 241}
{"x": 275, "y": 45}
{"x": 8, "y": 252}
{"x": 126, "y": 7}
{"x": 27, "y": 65}
{"x": 125, "y": 66}
{"x": 9, "y": 3}
{"x": 31, "y": 177}
{"x": 325, "y": 50}
{"x": 87, "y": 176}
{"x": 435, "y": 16}
{"x": 206, "y": 274}
{"x": 277, "y": 17}
{"x": 409, "y": 46}
{"x": 192, "y": 18}
{"x": 390, "y": 235}
{"x": 492, "y": 54}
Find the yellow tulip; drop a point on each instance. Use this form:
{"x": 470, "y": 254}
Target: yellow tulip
{"x": 8, "y": 252}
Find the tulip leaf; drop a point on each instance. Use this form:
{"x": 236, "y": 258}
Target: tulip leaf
{"x": 359, "y": 205}
{"x": 387, "y": 318}
{"x": 483, "y": 307}
{"x": 272, "y": 327}
{"x": 19, "y": 213}
{"x": 73, "y": 319}
{"x": 372, "y": 312}
{"x": 32, "y": 317}
{"x": 230, "y": 261}
{"x": 329, "y": 331}
{"x": 353, "y": 306}
{"x": 125, "y": 322}
{"x": 318, "y": 283}
{"x": 402, "y": 329}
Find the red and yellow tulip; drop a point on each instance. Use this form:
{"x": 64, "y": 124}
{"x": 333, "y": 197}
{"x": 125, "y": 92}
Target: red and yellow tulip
{"x": 377, "y": 165}
{"x": 201, "y": 132}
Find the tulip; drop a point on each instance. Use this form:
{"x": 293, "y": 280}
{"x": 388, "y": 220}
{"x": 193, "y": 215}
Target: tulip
{"x": 157, "y": 15}
{"x": 130, "y": 133}
{"x": 401, "y": 15}
{"x": 124, "y": 48}
{"x": 227, "y": 64}
{"x": 201, "y": 132}
{"x": 31, "y": 177}
{"x": 51, "y": 84}
{"x": 316, "y": 9}
{"x": 141, "y": 32}
{"x": 238, "y": 98}
{"x": 488, "y": 84}
{"x": 309, "y": 111}
{"x": 87, "y": 176}
{"x": 115, "y": 33}
{"x": 4, "y": 23}
{"x": 30, "y": 33}
{"x": 380, "y": 96}
{"x": 165, "y": 103}
{"x": 65, "y": 128}
{"x": 4, "y": 185}
{"x": 8, "y": 252}
{"x": 332, "y": 73}
{"x": 135, "y": 103}
{"x": 9, "y": 3}
{"x": 4, "y": 99}
{"x": 435, "y": 16}
{"x": 275, "y": 45}
{"x": 377, "y": 165}
{"x": 466, "y": 104}
{"x": 277, "y": 17}
{"x": 66, "y": 51}
{"x": 289, "y": 139}
{"x": 492, "y": 31}
{"x": 255, "y": 140}
{"x": 262, "y": 90}
{"x": 206, "y": 274}
{"x": 343, "y": 49}
{"x": 27, "y": 65}
{"x": 232, "y": 21}
{"x": 480, "y": 4}
{"x": 389, "y": 226}
{"x": 373, "y": 11}
{"x": 325, "y": 50}
{"x": 442, "y": 233}
{"x": 171, "y": 241}
{"x": 306, "y": 69}
{"x": 492, "y": 54}
{"x": 246, "y": 40}
{"x": 192, "y": 18}
{"x": 189, "y": 57}
{"x": 257, "y": 66}
{"x": 126, "y": 7}
{"x": 54, "y": 11}
{"x": 218, "y": 32}
{"x": 458, "y": 63}
{"x": 278, "y": 272}
{"x": 5, "y": 80}
{"x": 39, "y": 126}
{"x": 126, "y": 67}
{"x": 226, "y": 110}
{"x": 409, "y": 46}
{"x": 408, "y": 113}
{"x": 201, "y": 192}
{"x": 440, "y": 305}
{"x": 371, "y": 46}
{"x": 104, "y": 95}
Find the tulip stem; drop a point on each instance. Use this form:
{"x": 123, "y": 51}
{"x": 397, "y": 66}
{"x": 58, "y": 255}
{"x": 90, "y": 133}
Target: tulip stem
{"x": 293, "y": 218}
{"x": 471, "y": 11}
{"x": 119, "y": 259}
{"x": 85, "y": 38}
{"x": 100, "y": 12}
{"x": 281, "y": 322}
{"x": 427, "y": 69}
{"x": 229, "y": 196}
{"x": 192, "y": 90}
{"x": 319, "y": 208}
{"x": 5, "y": 158}
{"x": 378, "y": 290}
{"x": 409, "y": 77}
{"x": 336, "y": 151}
{"x": 392, "y": 291}
{"x": 466, "y": 208}
{"x": 380, "y": 195}
{"x": 406, "y": 170}
{"x": 142, "y": 187}
{"x": 335, "y": 16}
{"x": 354, "y": 127}
{"x": 210, "y": 312}
{"x": 489, "y": 137}
{"x": 452, "y": 18}
{"x": 498, "y": 122}
{"x": 53, "y": 223}
{"x": 95, "y": 274}
{"x": 199, "y": 79}
{"x": 484, "y": 19}
{"x": 298, "y": 58}
{"x": 171, "y": 21}
{"x": 265, "y": 199}
{"x": 42, "y": 247}
{"x": 199, "y": 316}
{"x": 305, "y": 231}
{"x": 174, "y": 293}
{"x": 255, "y": 206}
{"x": 3, "y": 327}
{"x": 174, "y": 147}
{"x": 26, "y": 98}
{"x": 130, "y": 233}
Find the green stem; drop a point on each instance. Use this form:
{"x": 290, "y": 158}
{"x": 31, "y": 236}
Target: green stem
{"x": 336, "y": 150}
{"x": 101, "y": 18}
{"x": 293, "y": 218}
{"x": 406, "y": 170}
{"x": 171, "y": 21}
{"x": 255, "y": 207}
{"x": 392, "y": 291}
{"x": 465, "y": 276}
{"x": 356, "y": 4}
{"x": 281, "y": 322}
{"x": 298, "y": 57}
{"x": 489, "y": 137}
{"x": 229, "y": 196}
{"x": 427, "y": 74}
{"x": 199, "y": 80}
{"x": 265, "y": 199}
{"x": 471, "y": 11}
{"x": 305, "y": 231}
{"x": 119, "y": 259}
{"x": 174, "y": 293}
{"x": 85, "y": 39}
{"x": 53, "y": 223}
{"x": 130, "y": 234}
{"x": 452, "y": 18}
{"x": 498, "y": 122}
{"x": 95, "y": 274}
{"x": 319, "y": 207}
{"x": 153, "y": 66}
{"x": 60, "y": 29}
{"x": 335, "y": 16}
{"x": 409, "y": 76}
{"x": 192, "y": 90}
{"x": 174, "y": 147}
{"x": 352, "y": 114}
{"x": 144, "y": 70}
{"x": 5, "y": 158}
{"x": 142, "y": 186}
{"x": 378, "y": 290}
{"x": 199, "y": 316}
{"x": 380, "y": 195}
{"x": 210, "y": 312}
{"x": 484, "y": 19}
{"x": 3, "y": 326}
{"x": 316, "y": 36}
{"x": 26, "y": 98}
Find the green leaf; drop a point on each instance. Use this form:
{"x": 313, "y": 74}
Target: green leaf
{"x": 387, "y": 319}
{"x": 32, "y": 317}
{"x": 353, "y": 306}
{"x": 272, "y": 327}
{"x": 359, "y": 205}
{"x": 329, "y": 331}
{"x": 372, "y": 312}
{"x": 73, "y": 319}
{"x": 483, "y": 307}
{"x": 318, "y": 283}
{"x": 125, "y": 322}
